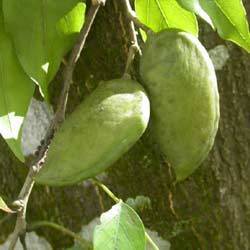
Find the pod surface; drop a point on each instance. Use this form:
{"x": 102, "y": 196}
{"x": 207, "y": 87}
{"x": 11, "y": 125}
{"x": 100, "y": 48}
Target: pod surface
{"x": 181, "y": 82}
{"x": 97, "y": 133}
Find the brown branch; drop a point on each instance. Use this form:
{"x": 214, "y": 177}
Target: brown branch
{"x": 134, "y": 48}
{"x": 74, "y": 56}
{"x": 132, "y": 16}
{"x": 23, "y": 197}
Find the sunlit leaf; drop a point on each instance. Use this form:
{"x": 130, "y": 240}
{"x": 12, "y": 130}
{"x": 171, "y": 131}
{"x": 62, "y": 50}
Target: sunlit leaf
{"x": 121, "y": 228}
{"x": 43, "y": 32}
{"x": 195, "y": 7}
{"x": 228, "y": 17}
{"x": 162, "y": 14}
{"x": 16, "y": 90}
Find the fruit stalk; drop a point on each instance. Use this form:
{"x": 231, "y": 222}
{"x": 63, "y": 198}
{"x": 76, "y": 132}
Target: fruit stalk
{"x": 134, "y": 47}
{"x": 132, "y": 16}
{"x": 117, "y": 200}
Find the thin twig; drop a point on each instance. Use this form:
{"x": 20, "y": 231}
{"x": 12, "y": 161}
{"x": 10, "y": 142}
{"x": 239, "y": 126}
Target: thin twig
{"x": 134, "y": 48}
{"x": 117, "y": 200}
{"x": 131, "y": 55}
{"x": 23, "y": 196}
{"x": 23, "y": 241}
{"x": 133, "y": 32}
{"x": 74, "y": 56}
{"x": 132, "y": 16}
{"x": 21, "y": 224}
{"x": 84, "y": 243}
{"x": 106, "y": 190}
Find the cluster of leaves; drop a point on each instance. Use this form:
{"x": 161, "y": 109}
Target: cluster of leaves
{"x": 227, "y": 17}
{"x": 32, "y": 47}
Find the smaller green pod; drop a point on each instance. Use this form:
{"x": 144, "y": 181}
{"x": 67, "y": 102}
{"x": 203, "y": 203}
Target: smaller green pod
{"x": 97, "y": 133}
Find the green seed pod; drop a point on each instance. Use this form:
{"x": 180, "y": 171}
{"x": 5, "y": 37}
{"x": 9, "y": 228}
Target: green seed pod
{"x": 181, "y": 82}
{"x": 97, "y": 133}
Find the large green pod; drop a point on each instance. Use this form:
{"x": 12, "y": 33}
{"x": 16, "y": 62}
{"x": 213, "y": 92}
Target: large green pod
{"x": 182, "y": 87}
{"x": 97, "y": 133}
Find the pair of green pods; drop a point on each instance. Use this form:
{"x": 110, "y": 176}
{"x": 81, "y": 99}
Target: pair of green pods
{"x": 181, "y": 85}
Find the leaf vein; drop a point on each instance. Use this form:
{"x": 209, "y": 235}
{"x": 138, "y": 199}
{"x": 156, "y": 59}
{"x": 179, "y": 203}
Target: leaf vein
{"x": 162, "y": 11}
{"x": 229, "y": 19}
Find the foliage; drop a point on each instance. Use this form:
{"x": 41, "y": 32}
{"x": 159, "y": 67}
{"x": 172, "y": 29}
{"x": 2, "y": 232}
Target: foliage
{"x": 16, "y": 90}
{"x": 32, "y": 48}
{"x": 44, "y": 32}
{"x": 121, "y": 228}
{"x": 160, "y": 15}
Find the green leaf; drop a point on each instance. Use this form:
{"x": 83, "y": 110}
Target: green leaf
{"x": 4, "y": 207}
{"x": 16, "y": 90}
{"x": 229, "y": 18}
{"x": 121, "y": 228}
{"x": 43, "y": 33}
{"x": 195, "y": 7}
{"x": 163, "y": 14}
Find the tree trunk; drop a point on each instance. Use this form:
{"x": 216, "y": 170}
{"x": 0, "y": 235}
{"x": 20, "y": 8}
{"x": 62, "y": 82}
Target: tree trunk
{"x": 210, "y": 210}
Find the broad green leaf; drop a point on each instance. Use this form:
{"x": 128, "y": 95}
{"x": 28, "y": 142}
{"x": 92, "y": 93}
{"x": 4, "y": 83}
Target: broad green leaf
{"x": 4, "y": 207}
{"x": 16, "y": 90}
{"x": 229, "y": 18}
{"x": 121, "y": 228}
{"x": 43, "y": 33}
{"x": 163, "y": 14}
{"x": 195, "y": 7}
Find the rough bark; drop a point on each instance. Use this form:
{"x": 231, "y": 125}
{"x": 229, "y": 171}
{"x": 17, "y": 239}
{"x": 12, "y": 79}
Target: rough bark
{"x": 210, "y": 210}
